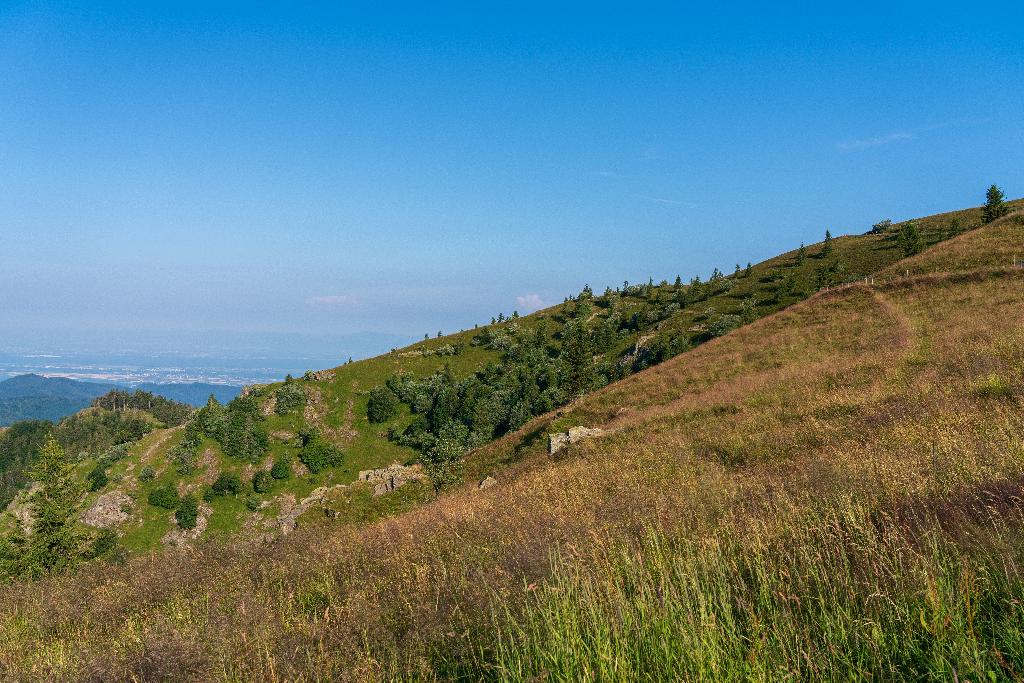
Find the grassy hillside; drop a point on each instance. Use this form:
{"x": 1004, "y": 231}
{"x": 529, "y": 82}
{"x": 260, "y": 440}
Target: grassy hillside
{"x": 629, "y": 329}
{"x": 831, "y": 490}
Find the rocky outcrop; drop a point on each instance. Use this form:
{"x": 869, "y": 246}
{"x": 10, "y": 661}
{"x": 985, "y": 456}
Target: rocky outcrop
{"x": 387, "y": 479}
{"x": 288, "y": 520}
{"x": 488, "y": 483}
{"x": 560, "y": 440}
{"x": 110, "y": 509}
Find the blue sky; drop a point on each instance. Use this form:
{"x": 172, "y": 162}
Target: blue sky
{"x": 247, "y": 174}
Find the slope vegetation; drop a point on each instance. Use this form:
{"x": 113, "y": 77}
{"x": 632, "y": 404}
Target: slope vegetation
{"x": 833, "y": 490}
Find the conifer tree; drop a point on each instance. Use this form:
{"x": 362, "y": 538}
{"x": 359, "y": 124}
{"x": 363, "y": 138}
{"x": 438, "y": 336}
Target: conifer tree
{"x": 54, "y": 545}
{"x": 827, "y": 247}
{"x": 910, "y": 239}
{"x": 801, "y": 254}
{"x": 995, "y": 206}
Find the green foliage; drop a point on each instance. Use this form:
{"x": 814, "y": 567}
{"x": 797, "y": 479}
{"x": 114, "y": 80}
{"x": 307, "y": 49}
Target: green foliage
{"x": 185, "y": 454}
{"x": 282, "y": 468}
{"x": 995, "y": 205}
{"x": 252, "y": 503}
{"x": 19, "y": 448}
{"x": 881, "y": 226}
{"x": 290, "y": 398}
{"x": 147, "y": 473}
{"x": 909, "y": 239}
{"x": 383, "y": 405}
{"x": 240, "y": 428}
{"x": 228, "y": 484}
{"x": 104, "y": 542}
{"x": 54, "y": 545}
{"x": 97, "y": 477}
{"x": 577, "y": 358}
{"x": 826, "y": 248}
{"x": 97, "y": 430}
{"x": 262, "y": 482}
{"x": 187, "y": 512}
{"x": 318, "y": 455}
{"x": 171, "y": 413}
{"x": 165, "y": 497}
{"x": 443, "y": 461}
{"x": 213, "y": 419}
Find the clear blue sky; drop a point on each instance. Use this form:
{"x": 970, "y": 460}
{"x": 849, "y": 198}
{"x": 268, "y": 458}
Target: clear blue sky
{"x": 208, "y": 174}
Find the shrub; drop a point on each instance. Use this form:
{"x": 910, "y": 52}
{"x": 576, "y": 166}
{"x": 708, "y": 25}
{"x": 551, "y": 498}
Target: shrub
{"x": 164, "y": 497}
{"x": 290, "y": 397}
{"x": 383, "y": 405}
{"x": 103, "y": 543}
{"x": 252, "y": 502}
{"x": 262, "y": 482}
{"x": 228, "y": 483}
{"x": 187, "y": 512}
{"x": 318, "y": 455}
{"x": 282, "y": 468}
{"x": 881, "y": 226}
{"x": 147, "y": 473}
{"x": 97, "y": 477}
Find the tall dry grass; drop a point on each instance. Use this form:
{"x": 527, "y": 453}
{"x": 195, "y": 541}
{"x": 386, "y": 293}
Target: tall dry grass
{"x": 827, "y": 492}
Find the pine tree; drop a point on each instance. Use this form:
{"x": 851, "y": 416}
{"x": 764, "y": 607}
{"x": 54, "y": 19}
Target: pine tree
{"x": 749, "y": 270}
{"x": 801, "y": 254}
{"x": 578, "y": 356}
{"x": 995, "y": 206}
{"x": 827, "y": 247}
{"x": 54, "y": 545}
{"x": 910, "y": 239}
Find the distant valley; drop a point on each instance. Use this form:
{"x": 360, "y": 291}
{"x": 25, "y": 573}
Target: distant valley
{"x": 38, "y": 397}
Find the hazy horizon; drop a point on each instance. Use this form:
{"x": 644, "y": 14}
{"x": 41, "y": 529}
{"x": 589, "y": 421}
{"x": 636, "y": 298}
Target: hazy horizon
{"x": 313, "y": 183}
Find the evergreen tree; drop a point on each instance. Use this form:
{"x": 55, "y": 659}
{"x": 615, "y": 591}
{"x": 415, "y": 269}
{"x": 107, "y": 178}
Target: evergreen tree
{"x": 578, "y": 358}
{"x": 910, "y": 239}
{"x": 54, "y": 545}
{"x": 827, "y": 247}
{"x": 678, "y": 282}
{"x": 749, "y": 270}
{"x": 995, "y": 206}
{"x": 801, "y": 254}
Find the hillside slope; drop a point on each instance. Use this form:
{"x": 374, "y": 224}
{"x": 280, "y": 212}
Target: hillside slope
{"x": 834, "y": 489}
{"x": 485, "y": 382}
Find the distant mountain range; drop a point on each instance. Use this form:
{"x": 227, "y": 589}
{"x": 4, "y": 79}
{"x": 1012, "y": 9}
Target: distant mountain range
{"x": 35, "y": 397}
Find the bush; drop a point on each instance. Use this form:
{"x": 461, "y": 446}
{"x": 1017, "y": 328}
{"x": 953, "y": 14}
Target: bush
{"x": 104, "y": 543}
{"x": 147, "y": 473}
{"x": 164, "y": 497}
{"x": 290, "y": 397}
{"x": 228, "y": 483}
{"x": 318, "y": 455}
{"x": 262, "y": 482}
{"x": 187, "y": 512}
{"x": 97, "y": 477}
{"x": 383, "y": 405}
{"x": 252, "y": 503}
{"x": 282, "y": 468}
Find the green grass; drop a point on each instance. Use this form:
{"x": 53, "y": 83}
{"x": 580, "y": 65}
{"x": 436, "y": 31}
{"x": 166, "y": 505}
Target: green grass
{"x": 837, "y": 597}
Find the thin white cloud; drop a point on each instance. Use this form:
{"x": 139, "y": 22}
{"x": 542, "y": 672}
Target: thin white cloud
{"x": 668, "y": 202}
{"x": 528, "y": 303}
{"x": 332, "y": 300}
{"x": 876, "y": 141}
